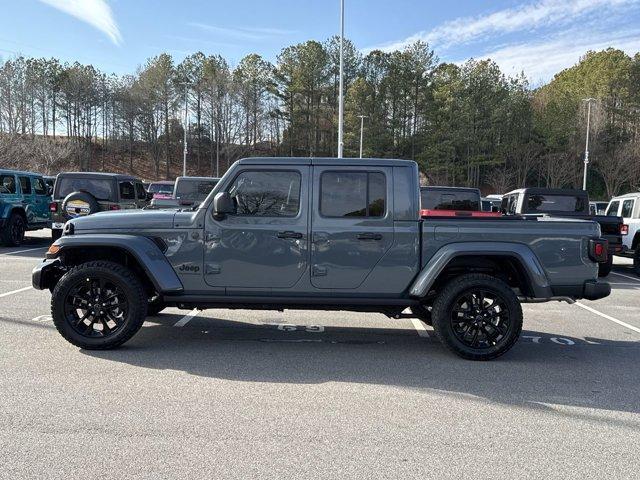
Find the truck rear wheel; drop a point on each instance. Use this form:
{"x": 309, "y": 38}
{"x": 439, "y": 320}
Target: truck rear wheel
{"x": 477, "y": 317}
{"x": 98, "y": 305}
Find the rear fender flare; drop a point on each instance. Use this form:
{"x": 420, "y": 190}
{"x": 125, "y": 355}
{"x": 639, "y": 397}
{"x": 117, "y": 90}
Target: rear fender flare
{"x": 536, "y": 275}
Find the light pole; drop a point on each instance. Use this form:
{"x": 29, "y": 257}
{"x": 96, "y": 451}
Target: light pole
{"x": 340, "y": 93}
{"x": 185, "y": 126}
{"x": 361, "y": 117}
{"x": 586, "y": 147}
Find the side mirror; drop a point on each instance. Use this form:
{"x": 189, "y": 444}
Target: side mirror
{"x": 223, "y": 205}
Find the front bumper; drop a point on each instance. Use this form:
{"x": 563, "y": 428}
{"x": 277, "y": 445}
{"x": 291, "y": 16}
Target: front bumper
{"x": 46, "y": 273}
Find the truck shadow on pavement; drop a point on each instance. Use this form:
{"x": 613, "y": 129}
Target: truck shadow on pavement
{"x": 540, "y": 374}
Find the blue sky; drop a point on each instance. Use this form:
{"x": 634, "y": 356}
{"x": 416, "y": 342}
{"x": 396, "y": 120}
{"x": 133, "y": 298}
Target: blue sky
{"x": 538, "y": 36}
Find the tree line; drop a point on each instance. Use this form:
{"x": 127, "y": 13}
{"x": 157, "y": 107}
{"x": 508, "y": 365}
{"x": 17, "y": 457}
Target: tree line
{"x": 465, "y": 124}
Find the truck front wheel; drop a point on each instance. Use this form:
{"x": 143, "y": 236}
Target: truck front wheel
{"x": 98, "y": 305}
{"x": 477, "y": 317}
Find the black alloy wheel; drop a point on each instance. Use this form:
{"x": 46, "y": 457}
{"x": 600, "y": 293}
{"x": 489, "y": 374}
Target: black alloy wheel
{"x": 477, "y": 316}
{"x": 480, "y": 318}
{"x": 96, "y": 307}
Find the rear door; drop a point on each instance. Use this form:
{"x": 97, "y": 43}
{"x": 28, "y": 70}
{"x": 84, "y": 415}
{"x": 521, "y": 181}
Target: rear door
{"x": 127, "y": 194}
{"x": 351, "y": 224}
{"x": 141, "y": 195}
{"x": 42, "y": 199}
{"x": 28, "y": 199}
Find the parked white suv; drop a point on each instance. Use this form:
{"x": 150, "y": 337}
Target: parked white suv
{"x": 628, "y": 207}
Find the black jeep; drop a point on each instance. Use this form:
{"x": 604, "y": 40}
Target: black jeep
{"x": 77, "y": 194}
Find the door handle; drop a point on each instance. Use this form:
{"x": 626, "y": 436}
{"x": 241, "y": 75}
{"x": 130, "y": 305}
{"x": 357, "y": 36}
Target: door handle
{"x": 289, "y": 234}
{"x": 369, "y": 236}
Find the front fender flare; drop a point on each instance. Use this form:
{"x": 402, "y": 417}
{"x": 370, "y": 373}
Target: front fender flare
{"x": 143, "y": 249}
{"x": 536, "y": 276}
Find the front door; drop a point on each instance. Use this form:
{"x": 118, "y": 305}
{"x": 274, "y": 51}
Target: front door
{"x": 352, "y": 224}
{"x": 28, "y": 200}
{"x": 264, "y": 244}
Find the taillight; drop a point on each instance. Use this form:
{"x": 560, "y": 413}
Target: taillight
{"x": 53, "y": 207}
{"x": 624, "y": 229}
{"x": 114, "y": 207}
{"x": 598, "y": 250}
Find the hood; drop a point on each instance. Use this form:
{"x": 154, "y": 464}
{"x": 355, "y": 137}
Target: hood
{"x": 125, "y": 220}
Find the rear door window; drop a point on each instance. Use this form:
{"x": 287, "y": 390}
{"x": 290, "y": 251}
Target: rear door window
{"x": 612, "y": 211}
{"x": 25, "y": 185}
{"x": 140, "y": 191}
{"x": 627, "y": 208}
{"x": 353, "y": 194}
{"x": 7, "y": 184}
{"x": 127, "y": 191}
{"x": 101, "y": 189}
{"x": 39, "y": 186}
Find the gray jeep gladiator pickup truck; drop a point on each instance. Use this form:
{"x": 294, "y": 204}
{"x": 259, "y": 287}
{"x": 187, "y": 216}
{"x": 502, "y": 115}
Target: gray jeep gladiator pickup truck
{"x": 312, "y": 233}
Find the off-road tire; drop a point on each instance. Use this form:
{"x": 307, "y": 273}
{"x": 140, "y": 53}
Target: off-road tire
{"x": 125, "y": 279}
{"x": 604, "y": 269}
{"x": 421, "y": 312}
{"x": 443, "y": 310}
{"x": 12, "y": 234}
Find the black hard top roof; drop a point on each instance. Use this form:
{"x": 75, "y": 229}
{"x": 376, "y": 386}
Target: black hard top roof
{"x": 356, "y": 162}
{"x": 548, "y": 191}
{"x": 450, "y": 189}
{"x": 101, "y": 175}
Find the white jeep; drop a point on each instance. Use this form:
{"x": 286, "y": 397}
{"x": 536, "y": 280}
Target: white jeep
{"x": 628, "y": 207}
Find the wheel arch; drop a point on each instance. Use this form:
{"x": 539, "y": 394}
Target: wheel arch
{"x": 139, "y": 253}
{"x": 516, "y": 264}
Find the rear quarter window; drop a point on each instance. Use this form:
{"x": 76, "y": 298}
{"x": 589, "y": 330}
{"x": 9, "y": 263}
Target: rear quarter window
{"x": 627, "y": 208}
{"x": 556, "y": 203}
{"x": 612, "y": 211}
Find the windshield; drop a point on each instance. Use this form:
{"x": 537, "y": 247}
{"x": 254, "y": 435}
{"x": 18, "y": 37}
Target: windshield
{"x": 101, "y": 189}
{"x": 556, "y": 203}
{"x": 163, "y": 188}
{"x": 450, "y": 200}
{"x": 193, "y": 191}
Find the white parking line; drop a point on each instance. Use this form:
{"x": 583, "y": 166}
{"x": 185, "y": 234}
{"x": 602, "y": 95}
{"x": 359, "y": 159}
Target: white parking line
{"x": 626, "y": 276}
{"x": 15, "y": 291}
{"x": 420, "y": 328}
{"x": 187, "y": 318}
{"x": 23, "y": 251}
{"x": 608, "y": 317}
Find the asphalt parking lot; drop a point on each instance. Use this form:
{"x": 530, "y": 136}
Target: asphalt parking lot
{"x": 242, "y": 394}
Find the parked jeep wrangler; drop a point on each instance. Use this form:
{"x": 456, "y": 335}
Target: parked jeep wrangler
{"x": 24, "y": 205}
{"x": 311, "y": 233}
{"x": 78, "y": 194}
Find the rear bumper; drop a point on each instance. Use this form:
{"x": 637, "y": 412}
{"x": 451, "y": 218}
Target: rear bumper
{"x": 591, "y": 290}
